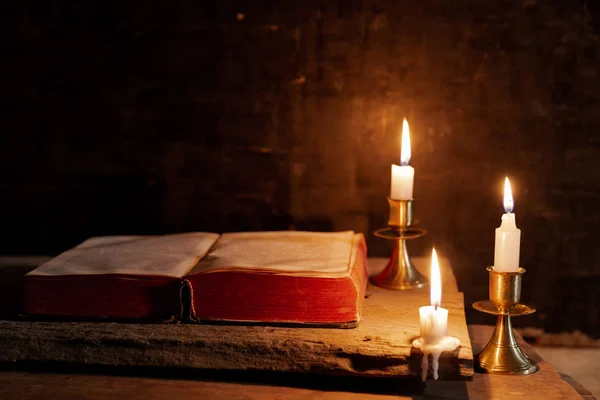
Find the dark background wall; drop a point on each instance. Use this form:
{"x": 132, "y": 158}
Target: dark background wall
{"x": 158, "y": 116}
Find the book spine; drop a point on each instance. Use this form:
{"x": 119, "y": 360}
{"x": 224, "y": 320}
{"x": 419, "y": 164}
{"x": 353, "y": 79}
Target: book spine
{"x": 186, "y": 299}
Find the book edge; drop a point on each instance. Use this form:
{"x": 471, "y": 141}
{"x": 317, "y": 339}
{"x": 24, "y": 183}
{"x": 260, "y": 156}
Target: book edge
{"x": 358, "y": 247}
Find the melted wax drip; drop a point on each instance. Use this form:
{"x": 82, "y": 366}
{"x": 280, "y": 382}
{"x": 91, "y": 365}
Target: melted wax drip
{"x": 447, "y": 343}
{"x": 435, "y": 357}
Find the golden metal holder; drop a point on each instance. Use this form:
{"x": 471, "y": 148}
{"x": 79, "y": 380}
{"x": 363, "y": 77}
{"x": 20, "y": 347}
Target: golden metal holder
{"x": 400, "y": 273}
{"x": 502, "y": 354}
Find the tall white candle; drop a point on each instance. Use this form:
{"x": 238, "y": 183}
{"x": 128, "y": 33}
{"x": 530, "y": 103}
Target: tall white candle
{"x": 508, "y": 237}
{"x": 434, "y": 318}
{"x": 403, "y": 175}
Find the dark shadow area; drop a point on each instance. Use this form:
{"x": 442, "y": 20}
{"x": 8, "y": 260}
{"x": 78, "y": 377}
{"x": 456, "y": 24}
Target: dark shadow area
{"x": 594, "y": 8}
{"x": 447, "y": 390}
{"x": 12, "y": 280}
{"x": 449, "y": 367}
{"x": 46, "y": 318}
{"x": 63, "y": 209}
{"x": 312, "y": 380}
{"x": 574, "y": 298}
{"x": 313, "y": 224}
{"x": 364, "y": 363}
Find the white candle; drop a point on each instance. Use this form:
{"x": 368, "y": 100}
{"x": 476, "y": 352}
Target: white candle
{"x": 434, "y": 318}
{"x": 508, "y": 237}
{"x": 403, "y": 175}
{"x": 434, "y": 325}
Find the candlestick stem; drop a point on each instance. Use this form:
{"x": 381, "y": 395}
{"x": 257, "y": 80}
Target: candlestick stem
{"x": 400, "y": 272}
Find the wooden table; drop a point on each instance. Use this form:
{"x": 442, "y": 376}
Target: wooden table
{"x": 547, "y": 384}
{"x": 50, "y": 381}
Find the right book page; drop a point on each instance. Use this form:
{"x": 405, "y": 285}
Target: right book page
{"x": 316, "y": 254}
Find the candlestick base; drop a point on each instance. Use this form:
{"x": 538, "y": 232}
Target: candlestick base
{"x": 502, "y": 354}
{"x": 400, "y": 273}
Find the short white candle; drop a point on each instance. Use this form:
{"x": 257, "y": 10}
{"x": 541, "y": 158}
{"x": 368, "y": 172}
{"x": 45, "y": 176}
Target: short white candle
{"x": 434, "y": 318}
{"x": 434, "y": 325}
{"x": 403, "y": 175}
{"x": 508, "y": 237}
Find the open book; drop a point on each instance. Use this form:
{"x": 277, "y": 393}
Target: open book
{"x": 265, "y": 277}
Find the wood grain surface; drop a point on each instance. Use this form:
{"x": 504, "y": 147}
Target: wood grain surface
{"x": 173, "y": 384}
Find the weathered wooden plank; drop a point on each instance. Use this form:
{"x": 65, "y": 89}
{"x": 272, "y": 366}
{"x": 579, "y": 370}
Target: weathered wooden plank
{"x": 380, "y": 346}
{"x": 543, "y": 385}
{"x": 12, "y": 280}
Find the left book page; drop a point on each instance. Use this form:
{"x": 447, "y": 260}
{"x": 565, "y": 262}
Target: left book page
{"x": 166, "y": 255}
{"x": 118, "y": 277}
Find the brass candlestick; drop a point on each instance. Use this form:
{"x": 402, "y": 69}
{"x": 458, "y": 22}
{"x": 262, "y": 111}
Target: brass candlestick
{"x": 502, "y": 354}
{"x": 400, "y": 273}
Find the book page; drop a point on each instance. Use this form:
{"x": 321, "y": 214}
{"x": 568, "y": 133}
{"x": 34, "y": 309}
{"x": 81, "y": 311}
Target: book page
{"x": 168, "y": 255}
{"x": 290, "y": 252}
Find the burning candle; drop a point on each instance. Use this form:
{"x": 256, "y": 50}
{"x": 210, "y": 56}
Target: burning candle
{"x": 434, "y": 318}
{"x": 434, "y": 325}
{"x": 508, "y": 237}
{"x": 403, "y": 175}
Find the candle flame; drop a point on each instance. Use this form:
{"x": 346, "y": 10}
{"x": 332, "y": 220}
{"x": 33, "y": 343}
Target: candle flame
{"x": 435, "y": 281}
{"x": 508, "y": 198}
{"x": 405, "y": 151}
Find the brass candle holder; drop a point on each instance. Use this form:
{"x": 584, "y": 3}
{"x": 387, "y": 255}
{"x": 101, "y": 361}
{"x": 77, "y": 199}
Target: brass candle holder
{"x": 400, "y": 273}
{"x": 502, "y": 354}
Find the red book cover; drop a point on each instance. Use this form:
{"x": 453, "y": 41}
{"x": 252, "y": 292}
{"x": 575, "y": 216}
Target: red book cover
{"x": 116, "y": 277}
{"x": 260, "y": 277}
{"x": 305, "y": 278}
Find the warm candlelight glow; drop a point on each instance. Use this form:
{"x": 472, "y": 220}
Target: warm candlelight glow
{"x": 436, "y": 281}
{"x": 508, "y": 198}
{"x": 405, "y": 150}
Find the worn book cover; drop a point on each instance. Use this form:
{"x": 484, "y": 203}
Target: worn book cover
{"x": 249, "y": 277}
